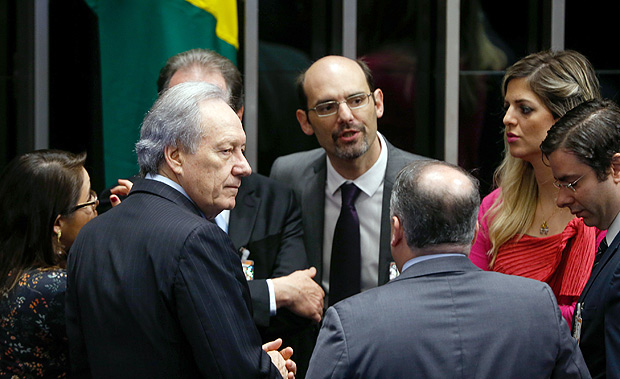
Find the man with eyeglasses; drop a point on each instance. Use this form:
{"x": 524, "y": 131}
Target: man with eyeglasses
{"x": 583, "y": 150}
{"x": 345, "y": 185}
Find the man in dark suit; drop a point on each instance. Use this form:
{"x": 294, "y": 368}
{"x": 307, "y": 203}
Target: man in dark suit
{"x": 583, "y": 149}
{"x": 443, "y": 317}
{"x": 265, "y": 226}
{"x": 341, "y": 107}
{"x": 154, "y": 288}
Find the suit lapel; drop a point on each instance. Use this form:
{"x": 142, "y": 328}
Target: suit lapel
{"x": 611, "y": 250}
{"x": 385, "y": 253}
{"x": 313, "y": 211}
{"x": 241, "y": 224}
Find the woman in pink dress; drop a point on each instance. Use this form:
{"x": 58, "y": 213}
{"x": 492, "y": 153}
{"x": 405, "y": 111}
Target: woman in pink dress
{"x": 522, "y": 231}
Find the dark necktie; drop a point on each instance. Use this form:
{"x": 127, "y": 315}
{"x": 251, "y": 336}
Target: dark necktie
{"x": 345, "y": 269}
{"x": 599, "y": 253}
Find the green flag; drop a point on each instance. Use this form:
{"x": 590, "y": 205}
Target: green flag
{"x": 136, "y": 38}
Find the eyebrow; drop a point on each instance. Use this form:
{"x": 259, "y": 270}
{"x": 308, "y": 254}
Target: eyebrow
{"x": 346, "y": 97}
{"x": 564, "y": 179}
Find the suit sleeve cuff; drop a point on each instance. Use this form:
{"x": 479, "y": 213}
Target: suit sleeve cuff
{"x": 272, "y": 298}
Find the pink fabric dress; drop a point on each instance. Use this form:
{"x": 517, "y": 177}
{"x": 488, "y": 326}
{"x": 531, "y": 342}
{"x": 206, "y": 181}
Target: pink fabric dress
{"x": 563, "y": 261}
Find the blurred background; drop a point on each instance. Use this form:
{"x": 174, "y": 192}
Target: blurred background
{"x": 79, "y": 75}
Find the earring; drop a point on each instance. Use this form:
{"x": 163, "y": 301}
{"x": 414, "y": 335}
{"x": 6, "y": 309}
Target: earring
{"x": 59, "y": 234}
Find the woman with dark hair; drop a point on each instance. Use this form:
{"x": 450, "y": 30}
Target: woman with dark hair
{"x": 45, "y": 199}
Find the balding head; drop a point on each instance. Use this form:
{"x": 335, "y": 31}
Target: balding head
{"x": 332, "y": 66}
{"x": 437, "y": 204}
{"x": 203, "y": 65}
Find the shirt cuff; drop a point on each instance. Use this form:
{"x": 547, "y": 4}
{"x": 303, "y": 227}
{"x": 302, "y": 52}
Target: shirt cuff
{"x": 272, "y": 298}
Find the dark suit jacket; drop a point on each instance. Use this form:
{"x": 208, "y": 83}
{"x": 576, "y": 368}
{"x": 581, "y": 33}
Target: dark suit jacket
{"x": 600, "y": 330}
{"x": 446, "y": 318}
{"x": 267, "y": 221}
{"x": 307, "y": 173}
{"x": 155, "y": 290}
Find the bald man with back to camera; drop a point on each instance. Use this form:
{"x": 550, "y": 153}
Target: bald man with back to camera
{"x": 443, "y": 317}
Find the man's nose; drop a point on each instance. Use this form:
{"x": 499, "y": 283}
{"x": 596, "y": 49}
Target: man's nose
{"x": 344, "y": 112}
{"x": 564, "y": 197}
{"x": 241, "y": 167}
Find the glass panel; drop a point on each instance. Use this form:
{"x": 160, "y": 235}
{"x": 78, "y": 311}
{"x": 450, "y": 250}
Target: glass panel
{"x": 592, "y": 31}
{"x": 491, "y": 39}
{"x": 397, "y": 40}
{"x": 288, "y": 32}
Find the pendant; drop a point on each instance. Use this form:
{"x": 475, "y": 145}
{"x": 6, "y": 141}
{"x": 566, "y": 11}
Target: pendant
{"x": 544, "y": 228}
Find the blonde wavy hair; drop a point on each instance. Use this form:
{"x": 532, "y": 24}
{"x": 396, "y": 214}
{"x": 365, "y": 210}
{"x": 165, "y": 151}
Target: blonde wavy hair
{"x": 562, "y": 80}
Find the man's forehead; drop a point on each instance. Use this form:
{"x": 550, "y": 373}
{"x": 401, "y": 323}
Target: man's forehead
{"x": 198, "y": 74}
{"x": 218, "y": 117}
{"x": 564, "y": 164}
{"x": 335, "y": 76}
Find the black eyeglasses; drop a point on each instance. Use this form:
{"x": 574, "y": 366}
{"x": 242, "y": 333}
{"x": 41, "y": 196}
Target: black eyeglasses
{"x": 93, "y": 202}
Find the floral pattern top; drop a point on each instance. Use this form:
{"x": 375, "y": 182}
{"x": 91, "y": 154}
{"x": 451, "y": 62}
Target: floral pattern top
{"x": 33, "y": 337}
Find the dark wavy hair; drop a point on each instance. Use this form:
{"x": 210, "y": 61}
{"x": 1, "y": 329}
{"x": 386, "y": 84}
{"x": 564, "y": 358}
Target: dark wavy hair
{"x": 590, "y": 131}
{"x": 35, "y": 188}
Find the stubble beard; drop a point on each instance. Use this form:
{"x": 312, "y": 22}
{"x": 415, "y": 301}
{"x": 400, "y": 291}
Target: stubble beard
{"x": 350, "y": 151}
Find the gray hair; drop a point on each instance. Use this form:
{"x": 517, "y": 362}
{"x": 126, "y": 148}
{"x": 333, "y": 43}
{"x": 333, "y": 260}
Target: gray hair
{"x": 174, "y": 120}
{"x": 433, "y": 215}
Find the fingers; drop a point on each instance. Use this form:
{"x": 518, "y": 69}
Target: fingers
{"x": 125, "y": 183}
{"x": 312, "y": 271}
{"x": 123, "y": 187}
{"x": 287, "y": 352}
{"x": 114, "y": 200}
{"x": 120, "y": 190}
{"x": 279, "y": 362}
{"x": 291, "y": 366}
{"x": 273, "y": 345}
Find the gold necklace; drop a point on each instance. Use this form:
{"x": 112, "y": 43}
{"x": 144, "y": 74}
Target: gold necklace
{"x": 544, "y": 227}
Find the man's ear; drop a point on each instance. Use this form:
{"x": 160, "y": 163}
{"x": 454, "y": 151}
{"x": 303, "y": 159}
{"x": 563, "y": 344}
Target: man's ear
{"x": 615, "y": 167}
{"x": 302, "y": 118}
{"x": 174, "y": 159}
{"x": 378, "y": 95}
{"x": 397, "y": 231}
{"x": 240, "y": 113}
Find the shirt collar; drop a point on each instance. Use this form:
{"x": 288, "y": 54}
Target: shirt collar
{"x": 613, "y": 230}
{"x": 369, "y": 182}
{"x": 423, "y": 258}
{"x": 173, "y": 184}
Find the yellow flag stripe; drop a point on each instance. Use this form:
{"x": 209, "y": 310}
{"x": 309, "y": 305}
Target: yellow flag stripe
{"x": 225, "y": 13}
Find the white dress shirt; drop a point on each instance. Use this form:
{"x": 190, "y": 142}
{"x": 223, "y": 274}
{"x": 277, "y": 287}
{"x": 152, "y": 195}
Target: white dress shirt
{"x": 368, "y": 206}
{"x": 222, "y": 220}
{"x": 613, "y": 230}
